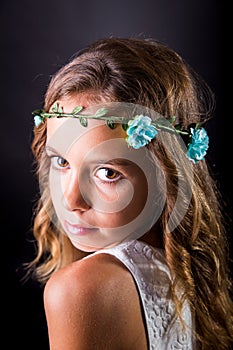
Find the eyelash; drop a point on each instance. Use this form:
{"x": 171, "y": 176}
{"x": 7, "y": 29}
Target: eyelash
{"x": 57, "y": 166}
{"x": 109, "y": 181}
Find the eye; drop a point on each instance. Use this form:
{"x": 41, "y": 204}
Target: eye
{"x": 59, "y": 162}
{"x": 107, "y": 174}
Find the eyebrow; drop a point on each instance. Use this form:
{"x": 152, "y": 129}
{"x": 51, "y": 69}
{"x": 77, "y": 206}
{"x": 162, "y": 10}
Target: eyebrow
{"x": 117, "y": 161}
{"x": 51, "y": 149}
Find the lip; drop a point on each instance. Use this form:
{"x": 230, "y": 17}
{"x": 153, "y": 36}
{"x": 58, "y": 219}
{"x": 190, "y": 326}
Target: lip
{"x": 78, "y": 230}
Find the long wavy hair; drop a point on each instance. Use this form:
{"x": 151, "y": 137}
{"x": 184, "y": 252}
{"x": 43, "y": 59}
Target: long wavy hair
{"x": 148, "y": 73}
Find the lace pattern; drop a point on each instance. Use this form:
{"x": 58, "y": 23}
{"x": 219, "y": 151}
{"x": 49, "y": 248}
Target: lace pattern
{"x": 152, "y": 276}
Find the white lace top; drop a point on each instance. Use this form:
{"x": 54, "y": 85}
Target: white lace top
{"x": 151, "y": 274}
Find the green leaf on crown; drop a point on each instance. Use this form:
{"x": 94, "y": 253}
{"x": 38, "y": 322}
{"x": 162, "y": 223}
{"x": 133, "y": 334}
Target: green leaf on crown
{"x": 100, "y": 112}
{"x": 76, "y": 110}
{"x": 110, "y": 124}
{"x": 83, "y": 121}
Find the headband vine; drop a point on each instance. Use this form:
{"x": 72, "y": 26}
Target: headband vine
{"x": 140, "y": 130}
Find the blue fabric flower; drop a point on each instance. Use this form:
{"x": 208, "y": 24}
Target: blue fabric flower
{"x": 198, "y": 145}
{"x": 38, "y": 120}
{"x": 140, "y": 131}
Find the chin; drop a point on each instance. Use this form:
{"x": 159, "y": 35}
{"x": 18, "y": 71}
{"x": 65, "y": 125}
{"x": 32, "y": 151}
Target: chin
{"x": 85, "y": 248}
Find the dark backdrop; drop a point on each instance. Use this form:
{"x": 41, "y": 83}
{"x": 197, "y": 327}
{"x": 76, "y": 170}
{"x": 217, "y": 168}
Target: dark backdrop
{"x": 37, "y": 37}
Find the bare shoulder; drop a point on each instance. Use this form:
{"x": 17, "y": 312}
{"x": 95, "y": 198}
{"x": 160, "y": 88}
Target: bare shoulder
{"x": 95, "y": 276}
{"x": 95, "y": 301}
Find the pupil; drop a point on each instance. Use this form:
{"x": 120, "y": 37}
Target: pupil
{"x": 110, "y": 173}
{"x": 62, "y": 162}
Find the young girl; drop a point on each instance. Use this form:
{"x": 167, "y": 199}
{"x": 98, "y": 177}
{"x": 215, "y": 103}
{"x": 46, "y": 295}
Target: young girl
{"x": 131, "y": 242}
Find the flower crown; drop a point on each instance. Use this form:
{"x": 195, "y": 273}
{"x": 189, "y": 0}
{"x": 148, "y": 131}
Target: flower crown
{"x": 140, "y": 130}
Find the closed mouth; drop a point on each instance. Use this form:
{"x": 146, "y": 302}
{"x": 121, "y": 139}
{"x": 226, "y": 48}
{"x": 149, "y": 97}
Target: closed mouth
{"x": 79, "y": 230}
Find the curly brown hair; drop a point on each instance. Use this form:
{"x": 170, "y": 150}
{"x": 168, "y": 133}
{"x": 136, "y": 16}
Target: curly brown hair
{"x": 146, "y": 72}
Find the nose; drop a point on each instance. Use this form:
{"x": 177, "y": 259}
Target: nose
{"x": 73, "y": 196}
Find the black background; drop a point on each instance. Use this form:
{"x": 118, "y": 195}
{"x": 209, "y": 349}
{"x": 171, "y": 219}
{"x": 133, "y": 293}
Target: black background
{"x": 37, "y": 37}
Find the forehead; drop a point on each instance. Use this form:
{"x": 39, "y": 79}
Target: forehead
{"x": 71, "y": 128}
{"x": 94, "y": 143}
{"x": 68, "y": 136}
{"x": 62, "y": 133}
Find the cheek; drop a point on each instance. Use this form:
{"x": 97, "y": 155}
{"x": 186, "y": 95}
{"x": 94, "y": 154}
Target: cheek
{"x": 131, "y": 200}
{"x": 137, "y": 203}
{"x": 55, "y": 187}
{"x": 110, "y": 198}
{"x": 57, "y": 183}
{"x": 140, "y": 197}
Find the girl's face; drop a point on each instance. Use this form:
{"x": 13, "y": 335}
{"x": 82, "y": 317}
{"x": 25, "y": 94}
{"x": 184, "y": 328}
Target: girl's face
{"x": 102, "y": 191}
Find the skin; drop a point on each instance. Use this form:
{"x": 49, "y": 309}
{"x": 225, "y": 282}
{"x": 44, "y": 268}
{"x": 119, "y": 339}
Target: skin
{"x": 93, "y": 303}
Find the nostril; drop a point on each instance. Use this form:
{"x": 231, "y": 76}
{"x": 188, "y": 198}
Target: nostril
{"x": 75, "y": 201}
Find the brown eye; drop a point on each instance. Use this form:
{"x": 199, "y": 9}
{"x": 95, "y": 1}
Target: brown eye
{"x": 110, "y": 173}
{"x": 62, "y": 163}
{"x": 59, "y": 163}
{"x": 107, "y": 174}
